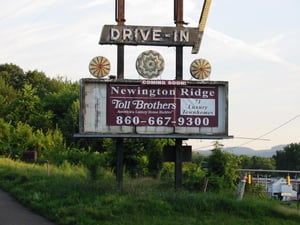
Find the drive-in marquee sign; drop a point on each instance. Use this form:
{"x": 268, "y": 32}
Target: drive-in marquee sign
{"x": 151, "y": 35}
{"x": 157, "y": 35}
{"x": 155, "y": 107}
{"x": 149, "y": 108}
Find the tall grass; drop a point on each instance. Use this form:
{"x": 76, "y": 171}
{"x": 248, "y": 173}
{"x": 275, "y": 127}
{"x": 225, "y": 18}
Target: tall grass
{"x": 68, "y": 196}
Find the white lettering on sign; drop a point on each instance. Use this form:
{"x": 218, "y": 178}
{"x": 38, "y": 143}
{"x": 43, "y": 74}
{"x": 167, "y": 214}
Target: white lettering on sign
{"x": 137, "y": 90}
{"x": 197, "y": 92}
{"x": 141, "y": 104}
{"x": 155, "y": 34}
{"x": 162, "y": 105}
{"x": 165, "y": 82}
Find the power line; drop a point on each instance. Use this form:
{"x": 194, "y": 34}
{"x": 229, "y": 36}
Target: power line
{"x": 269, "y": 132}
{"x": 259, "y": 138}
{"x": 212, "y": 145}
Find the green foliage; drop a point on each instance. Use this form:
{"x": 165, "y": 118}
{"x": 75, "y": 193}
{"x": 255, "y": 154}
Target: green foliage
{"x": 133, "y": 156}
{"x": 43, "y": 103}
{"x": 222, "y": 172}
{"x": 22, "y": 140}
{"x": 12, "y": 75}
{"x": 256, "y": 162}
{"x": 50, "y": 146}
{"x": 39, "y": 82}
{"x": 67, "y": 196}
{"x": 94, "y": 161}
{"x": 142, "y": 157}
{"x": 193, "y": 176}
{"x": 288, "y": 158}
{"x": 167, "y": 172}
{"x": 154, "y": 149}
{"x": 5, "y": 137}
{"x": 217, "y": 163}
{"x": 15, "y": 140}
{"x": 257, "y": 190}
{"x": 199, "y": 159}
{"x": 64, "y": 106}
{"x": 41, "y": 114}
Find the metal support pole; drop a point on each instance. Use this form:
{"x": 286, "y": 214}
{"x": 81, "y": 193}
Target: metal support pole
{"x": 178, "y": 12}
{"x": 120, "y": 19}
{"x": 178, "y": 16}
{"x": 179, "y": 62}
{"x": 120, "y": 12}
{"x": 120, "y": 62}
{"x": 178, "y": 164}
{"x": 120, "y": 158}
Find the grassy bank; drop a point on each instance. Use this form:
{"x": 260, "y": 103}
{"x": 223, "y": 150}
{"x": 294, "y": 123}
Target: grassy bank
{"x": 68, "y": 196}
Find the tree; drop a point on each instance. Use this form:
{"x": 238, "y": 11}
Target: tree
{"x": 142, "y": 157}
{"x": 153, "y": 150}
{"x": 288, "y": 158}
{"x": 199, "y": 159}
{"x": 256, "y": 162}
{"x": 13, "y": 75}
{"x": 222, "y": 169}
{"x": 64, "y": 106}
{"x": 5, "y": 138}
{"x": 217, "y": 163}
{"x": 39, "y": 82}
{"x": 7, "y": 95}
{"x": 26, "y": 108}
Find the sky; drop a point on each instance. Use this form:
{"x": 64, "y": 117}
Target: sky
{"x": 254, "y": 45}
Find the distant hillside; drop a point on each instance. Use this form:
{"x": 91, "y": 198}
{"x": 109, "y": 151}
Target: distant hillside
{"x": 249, "y": 151}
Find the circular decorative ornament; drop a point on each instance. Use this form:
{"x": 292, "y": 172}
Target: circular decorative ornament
{"x": 99, "y": 66}
{"x": 150, "y": 64}
{"x": 200, "y": 69}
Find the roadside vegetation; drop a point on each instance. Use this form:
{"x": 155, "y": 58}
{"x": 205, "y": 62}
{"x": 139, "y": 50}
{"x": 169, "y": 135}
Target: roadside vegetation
{"x": 72, "y": 181}
{"x": 68, "y": 196}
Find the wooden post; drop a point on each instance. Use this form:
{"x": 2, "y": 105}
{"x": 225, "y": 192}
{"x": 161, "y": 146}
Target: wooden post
{"x": 178, "y": 16}
{"x": 120, "y": 19}
{"x": 205, "y": 183}
{"x": 178, "y": 163}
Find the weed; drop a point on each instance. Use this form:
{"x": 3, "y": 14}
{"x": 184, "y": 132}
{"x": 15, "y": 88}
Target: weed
{"x": 68, "y": 196}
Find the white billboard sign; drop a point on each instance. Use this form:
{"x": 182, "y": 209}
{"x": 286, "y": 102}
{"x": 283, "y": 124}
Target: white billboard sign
{"x": 188, "y": 109}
